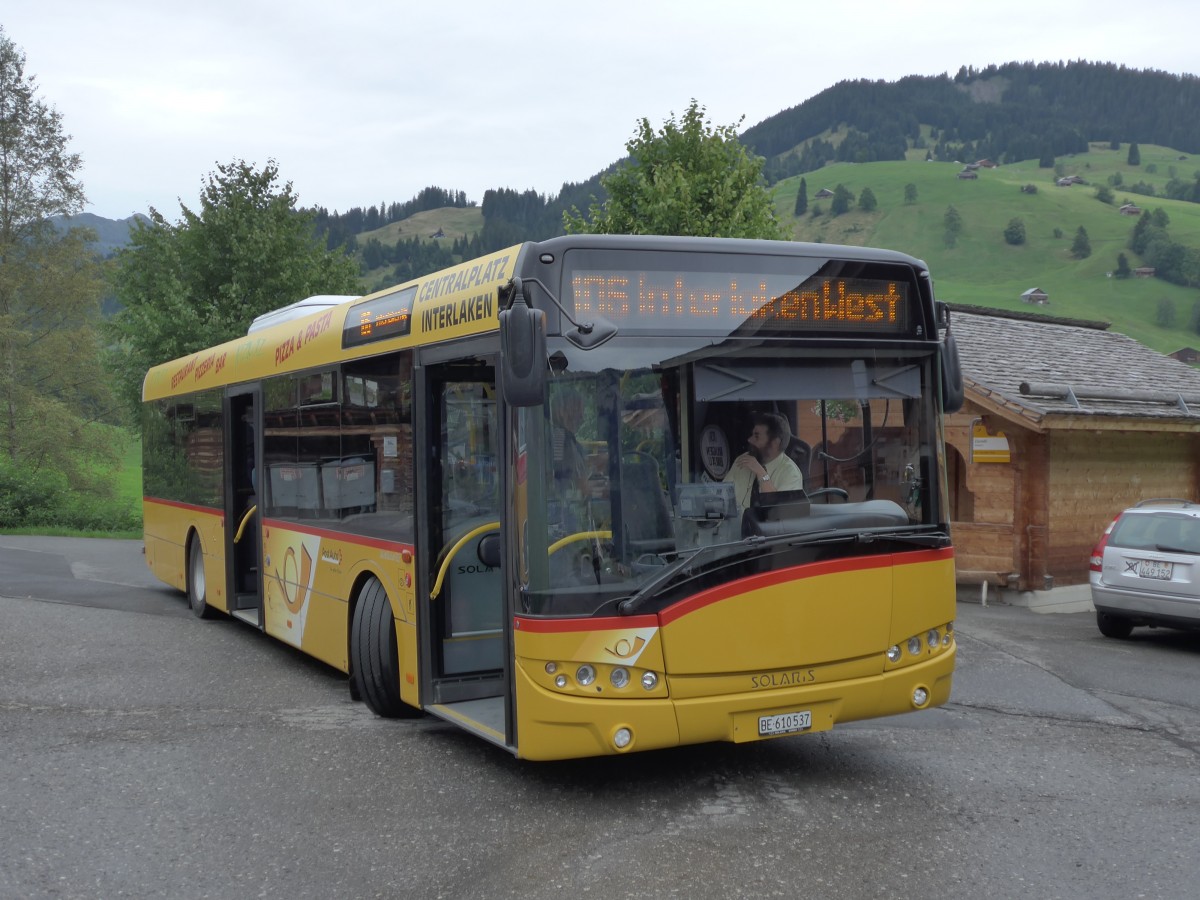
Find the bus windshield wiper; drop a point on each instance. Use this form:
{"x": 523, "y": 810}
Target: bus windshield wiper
{"x": 636, "y": 600}
{"x": 917, "y": 534}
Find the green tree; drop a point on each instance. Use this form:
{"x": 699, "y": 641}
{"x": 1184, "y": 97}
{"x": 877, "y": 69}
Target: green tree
{"x": 1194, "y": 318}
{"x": 1104, "y": 193}
{"x": 1164, "y": 315}
{"x": 910, "y": 194}
{"x": 1135, "y": 156}
{"x": 688, "y": 178}
{"x": 1014, "y": 232}
{"x": 952, "y": 224}
{"x": 52, "y": 390}
{"x": 1081, "y": 247}
{"x": 1122, "y": 270}
{"x": 841, "y": 200}
{"x": 200, "y": 281}
{"x": 867, "y": 201}
{"x": 802, "y": 199}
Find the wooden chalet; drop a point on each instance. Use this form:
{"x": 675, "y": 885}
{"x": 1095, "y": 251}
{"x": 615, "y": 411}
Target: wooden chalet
{"x": 1065, "y": 424}
{"x": 1036, "y": 296}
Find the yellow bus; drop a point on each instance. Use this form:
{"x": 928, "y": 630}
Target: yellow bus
{"x": 526, "y": 494}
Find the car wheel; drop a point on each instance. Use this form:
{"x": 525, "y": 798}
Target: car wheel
{"x": 1113, "y": 626}
{"x": 374, "y": 656}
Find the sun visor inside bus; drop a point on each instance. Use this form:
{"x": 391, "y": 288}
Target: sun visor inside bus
{"x": 856, "y": 379}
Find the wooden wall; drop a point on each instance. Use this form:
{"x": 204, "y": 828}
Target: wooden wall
{"x": 1093, "y": 476}
{"x": 1040, "y": 514}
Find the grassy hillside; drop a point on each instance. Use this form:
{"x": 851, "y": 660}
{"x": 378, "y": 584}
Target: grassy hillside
{"x": 454, "y": 222}
{"x": 982, "y": 269}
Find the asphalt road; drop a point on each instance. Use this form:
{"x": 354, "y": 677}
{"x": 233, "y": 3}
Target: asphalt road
{"x": 145, "y": 753}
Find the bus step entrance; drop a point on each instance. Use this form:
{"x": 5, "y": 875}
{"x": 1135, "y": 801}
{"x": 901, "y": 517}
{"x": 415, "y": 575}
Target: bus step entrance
{"x": 245, "y": 607}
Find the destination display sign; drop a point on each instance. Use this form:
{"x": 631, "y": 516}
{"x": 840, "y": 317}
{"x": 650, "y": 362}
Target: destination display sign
{"x": 379, "y": 319}
{"x": 728, "y": 302}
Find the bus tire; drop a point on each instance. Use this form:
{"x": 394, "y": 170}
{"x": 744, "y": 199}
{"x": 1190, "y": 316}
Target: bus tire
{"x": 374, "y": 656}
{"x": 197, "y": 581}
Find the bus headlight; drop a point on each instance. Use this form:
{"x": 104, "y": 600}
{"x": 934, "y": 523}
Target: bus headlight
{"x": 893, "y": 653}
{"x": 933, "y": 638}
{"x": 914, "y": 645}
{"x": 585, "y": 675}
{"x": 619, "y": 677}
{"x": 649, "y": 680}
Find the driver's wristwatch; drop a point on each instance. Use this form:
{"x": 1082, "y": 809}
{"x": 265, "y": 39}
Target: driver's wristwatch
{"x": 766, "y": 476}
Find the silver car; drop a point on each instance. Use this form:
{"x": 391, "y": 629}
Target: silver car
{"x": 1146, "y": 568}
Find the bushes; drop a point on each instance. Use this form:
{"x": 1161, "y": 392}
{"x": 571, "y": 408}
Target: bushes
{"x": 40, "y": 499}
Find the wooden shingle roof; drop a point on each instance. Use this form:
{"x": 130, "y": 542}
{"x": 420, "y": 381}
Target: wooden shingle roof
{"x": 1047, "y": 372}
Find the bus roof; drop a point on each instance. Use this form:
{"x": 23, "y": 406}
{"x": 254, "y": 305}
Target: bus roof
{"x": 298, "y": 310}
{"x": 456, "y": 302}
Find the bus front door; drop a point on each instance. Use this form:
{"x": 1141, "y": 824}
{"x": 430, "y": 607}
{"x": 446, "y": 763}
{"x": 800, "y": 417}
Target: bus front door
{"x": 243, "y": 546}
{"x": 465, "y": 645}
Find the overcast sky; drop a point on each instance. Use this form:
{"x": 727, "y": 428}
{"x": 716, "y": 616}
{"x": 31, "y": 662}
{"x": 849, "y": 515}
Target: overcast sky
{"x": 367, "y": 102}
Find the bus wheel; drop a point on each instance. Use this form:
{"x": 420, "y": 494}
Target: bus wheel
{"x": 374, "y": 657}
{"x": 197, "y": 583}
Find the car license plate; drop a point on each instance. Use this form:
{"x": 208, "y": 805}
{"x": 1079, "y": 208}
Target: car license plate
{"x": 785, "y": 723}
{"x": 1162, "y": 571}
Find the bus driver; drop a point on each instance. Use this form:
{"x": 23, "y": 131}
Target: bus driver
{"x": 765, "y": 465}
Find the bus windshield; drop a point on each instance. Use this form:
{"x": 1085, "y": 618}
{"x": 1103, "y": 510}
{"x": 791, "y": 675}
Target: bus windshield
{"x": 649, "y": 481}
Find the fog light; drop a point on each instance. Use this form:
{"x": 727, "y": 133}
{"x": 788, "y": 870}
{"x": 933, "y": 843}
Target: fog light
{"x": 585, "y": 675}
{"x": 622, "y": 738}
{"x": 649, "y": 681}
{"x": 920, "y": 697}
{"x": 560, "y": 681}
{"x": 619, "y": 677}
{"x": 914, "y": 645}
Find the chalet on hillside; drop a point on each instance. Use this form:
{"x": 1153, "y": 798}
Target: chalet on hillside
{"x": 822, "y": 194}
{"x": 986, "y": 164}
{"x": 1036, "y": 296}
{"x": 968, "y": 175}
{"x": 1143, "y": 272}
{"x": 1130, "y": 209}
{"x": 1189, "y": 355}
{"x": 1087, "y": 422}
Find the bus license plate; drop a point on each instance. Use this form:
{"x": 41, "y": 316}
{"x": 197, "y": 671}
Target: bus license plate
{"x": 1162, "y": 571}
{"x": 785, "y": 723}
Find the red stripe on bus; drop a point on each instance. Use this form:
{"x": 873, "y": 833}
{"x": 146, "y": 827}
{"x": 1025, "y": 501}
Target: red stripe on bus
{"x": 797, "y": 573}
{"x": 725, "y": 591}
{"x": 190, "y": 507}
{"x": 562, "y": 626}
{"x": 362, "y": 541}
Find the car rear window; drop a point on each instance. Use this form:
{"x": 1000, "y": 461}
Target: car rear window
{"x": 1157, "y": 531}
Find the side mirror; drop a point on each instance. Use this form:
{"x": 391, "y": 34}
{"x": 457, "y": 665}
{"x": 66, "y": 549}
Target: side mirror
{"x": 953, "y": 392}
{"x": 522, "y": 352}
